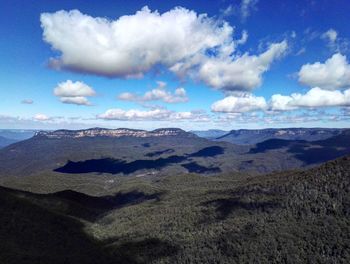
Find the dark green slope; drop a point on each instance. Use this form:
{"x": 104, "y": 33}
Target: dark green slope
{"x": 50, "y": 229}
{"x": 291, "y": 217}
{"x": 30, "y": 233}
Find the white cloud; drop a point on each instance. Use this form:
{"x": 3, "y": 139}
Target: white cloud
{"x": 41, "y": 117}
{"x": 72, "y": 89}
{"x": 301, "y": 51}
{"x": 330, "y": 35}
{"x": 331, "y": 75}
{"x": 280, "y": 102}
{"x": 132, "y": 44}
{"x": 244, "y": 73}
{"x": 157, "y": 94}
{"x": 77, "y": 100}
{"x": 243, "y": 39}
{"x": 151, "y": 115}
{"x": 239, "y": 104}
{"x": 27, "y": 101}
{"x": 247, "y": 6}
{"x": 228, "y": 11}
{"x": 180, "y": 40}
{"x": 242, "y": 10}
{"x": 316, "y": 97}
{"x": 74, "y": 92}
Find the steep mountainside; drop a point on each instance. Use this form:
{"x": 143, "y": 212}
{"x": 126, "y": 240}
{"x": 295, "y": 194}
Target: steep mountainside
{"x": 254, "y": 136}
{"x": 290, "y": 217}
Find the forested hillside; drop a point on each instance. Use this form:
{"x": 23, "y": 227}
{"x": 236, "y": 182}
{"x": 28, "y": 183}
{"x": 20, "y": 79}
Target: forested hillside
{"x": 291, "y": 217}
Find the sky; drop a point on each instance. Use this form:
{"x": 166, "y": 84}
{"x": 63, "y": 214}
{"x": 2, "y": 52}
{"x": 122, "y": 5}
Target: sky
{"x": 196, "y": 65}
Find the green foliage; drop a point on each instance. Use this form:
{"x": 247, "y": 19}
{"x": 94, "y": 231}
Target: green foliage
{"x": 290, "y": 217}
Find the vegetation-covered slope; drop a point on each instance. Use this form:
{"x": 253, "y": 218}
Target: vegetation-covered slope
{"x": 291, "y": 217}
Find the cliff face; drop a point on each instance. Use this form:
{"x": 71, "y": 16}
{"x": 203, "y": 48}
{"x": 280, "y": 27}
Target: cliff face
{"x": 120, "y": 132}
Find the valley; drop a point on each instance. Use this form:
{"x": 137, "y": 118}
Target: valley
{"x": 174, "y": 132}
{"x": 100, "y": 154}
{"x": 170, "y": 196}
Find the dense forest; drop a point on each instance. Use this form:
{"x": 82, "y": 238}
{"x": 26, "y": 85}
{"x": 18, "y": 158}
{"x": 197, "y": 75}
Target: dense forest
{"x": 290, "y": 217}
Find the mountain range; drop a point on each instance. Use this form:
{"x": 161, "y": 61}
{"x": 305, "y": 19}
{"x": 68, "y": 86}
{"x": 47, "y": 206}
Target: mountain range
{"x": 102, "y": 154}
{"x": 254, "y": 136}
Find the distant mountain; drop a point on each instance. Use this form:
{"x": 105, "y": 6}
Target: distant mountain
{"x": 108, "y": 153}
{"x": 17, "y": 134}
{"x": 254, "y": 136}
{"x": 117, "y": 151}
{"x": 113, "y": 133}
{"x": 10, "y": 136}
{"x": 310, "y": 152}
{"x": 209, "y": 134}
{"x": 6, "y": 141}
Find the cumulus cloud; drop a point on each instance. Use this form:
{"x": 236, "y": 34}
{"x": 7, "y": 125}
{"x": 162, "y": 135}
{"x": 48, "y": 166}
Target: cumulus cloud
{"x": 180, "y": 40}
{"x": 244, "y": 73}
{"x": 41, "y": 117}
{"x": 152, "y": 115}
{"x": 315, "y": 97}
{"x": 74, "y": 92}
{"x": 239, "y": 104}
{"x": 133, "y": 44}
{"x": 27, "y": 101}
{"x": 77, "y": 100}
{"x": 333, "y": 74}
{"x": 157, "y": 94}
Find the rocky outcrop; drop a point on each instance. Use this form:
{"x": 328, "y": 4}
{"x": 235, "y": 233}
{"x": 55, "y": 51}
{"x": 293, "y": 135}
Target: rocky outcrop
{"x": 120, "y": 132}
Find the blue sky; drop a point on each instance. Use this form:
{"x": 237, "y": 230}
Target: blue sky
{"x": 190, "y": 64}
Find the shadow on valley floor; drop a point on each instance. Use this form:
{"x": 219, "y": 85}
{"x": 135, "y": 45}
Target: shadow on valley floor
{"x": 39, "y": 229}
{"x": 226, "y": 207}
{"x": 142, "y": 251}
{"x": 115, "y": 166}
{"x": 89, "y": 208}
{"x": 158, "y": 153}
{"x": 194, "y": 167}
{"x": 239, "y": 202}
{"x": 309, "y": 152}
{"x": 208, "y": 152}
